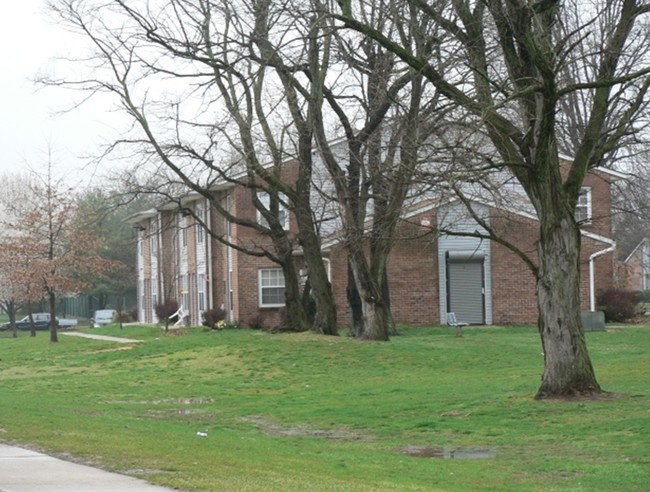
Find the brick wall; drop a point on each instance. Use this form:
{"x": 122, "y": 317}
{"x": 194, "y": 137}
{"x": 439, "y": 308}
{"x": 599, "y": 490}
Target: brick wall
{"x": 513, "y": 282}
{"x": 414, "y": 283}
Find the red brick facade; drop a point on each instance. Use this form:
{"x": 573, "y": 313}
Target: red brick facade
{"x": 413, "y": 267}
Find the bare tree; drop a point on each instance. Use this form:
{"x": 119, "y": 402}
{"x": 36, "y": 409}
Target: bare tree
{"x": 515, "y": 57}
{"x": 394, "y": 113}
{"x": 221, "y": 118}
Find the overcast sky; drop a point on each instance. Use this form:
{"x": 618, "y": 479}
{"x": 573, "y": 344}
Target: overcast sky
{"x": 30, "y": 44}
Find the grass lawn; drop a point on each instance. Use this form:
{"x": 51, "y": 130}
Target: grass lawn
{"x": 302, "y": 412}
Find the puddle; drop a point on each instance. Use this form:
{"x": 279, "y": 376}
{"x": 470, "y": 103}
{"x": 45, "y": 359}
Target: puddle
{"x": 449, "y": 452}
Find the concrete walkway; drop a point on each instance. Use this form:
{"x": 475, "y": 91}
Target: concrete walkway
{"x": 22, "y": 470}
{"x": 99, "y": 337}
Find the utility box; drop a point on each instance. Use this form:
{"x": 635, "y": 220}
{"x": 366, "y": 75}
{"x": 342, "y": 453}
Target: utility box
{"x": 593, "y": 320}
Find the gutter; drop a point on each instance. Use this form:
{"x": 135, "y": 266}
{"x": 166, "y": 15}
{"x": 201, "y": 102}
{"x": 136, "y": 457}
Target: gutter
{"x": 592, "y": 281}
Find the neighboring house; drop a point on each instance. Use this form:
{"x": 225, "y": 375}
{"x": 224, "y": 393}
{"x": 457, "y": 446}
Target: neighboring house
{"x": 430, "y": 273}
{"x": 636, "y": 268}
{"x": 180, "y": 259}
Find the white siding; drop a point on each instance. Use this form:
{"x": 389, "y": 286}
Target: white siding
{"x": 456, "y": 218}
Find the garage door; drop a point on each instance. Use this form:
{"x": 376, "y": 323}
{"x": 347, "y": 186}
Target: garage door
{"x": 466, "y": 286}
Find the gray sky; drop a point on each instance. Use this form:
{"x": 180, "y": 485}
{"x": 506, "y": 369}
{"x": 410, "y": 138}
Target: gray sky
{"x": 28, "y": 127}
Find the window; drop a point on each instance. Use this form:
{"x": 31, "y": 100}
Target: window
{"x": 201, "y": 292}
{"x": 282, "y": 212}
{"x": 184, "y": 282}
{"x": 271, "y": 287}
{"x": 154, "y": 293}
{"x": 583, "y": 207}
{"x": 153, "y": 241}
{"x": 182, "y": 232}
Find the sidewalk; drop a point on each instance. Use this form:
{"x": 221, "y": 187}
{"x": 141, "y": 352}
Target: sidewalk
{"x": 99, "y": 337}
{"x": 22, "y": 470}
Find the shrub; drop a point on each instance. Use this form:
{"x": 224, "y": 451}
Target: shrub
{"x": 166, "y": 309}
{"x": 133, "y": 312}
{"x": 212, "y": 317}
{"x": 256, "y": 323}
{"x": 123, "y": 317}
{"x": 618, "y": 305}
{"x": 643, "y": 295}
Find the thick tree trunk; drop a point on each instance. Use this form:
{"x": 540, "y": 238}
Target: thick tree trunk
{"x": 567, "y": 367}
{"x": 354, "y": 300}
{"x": 388, "y": 312}
{"x": 325, "y": 320}
{"x": 374, "y": 317}
{"x": 294, "y": 318}
{"x": 375, "y": 324}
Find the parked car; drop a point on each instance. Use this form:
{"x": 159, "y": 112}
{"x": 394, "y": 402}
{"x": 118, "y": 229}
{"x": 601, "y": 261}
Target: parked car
{"x": 41, "y": 322}
{"x": 103, "y": 317}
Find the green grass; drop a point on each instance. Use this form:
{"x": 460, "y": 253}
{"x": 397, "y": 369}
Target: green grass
{"x": 304, "y": 412}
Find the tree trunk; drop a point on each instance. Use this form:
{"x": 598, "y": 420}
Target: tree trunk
{"x": 374, "y": 317}
{"x": 12, "y": 318}
{"x": 375, "y": 324}
{"x": 354, "y": 300}
{"x": 325, "y": 320}
{"x": 32, "y": 327}
{"x": 54, "y": 338}
{"x": 294, "y": 318}
{"x": 388, "y": 312}
{"x": 567, "y": 366}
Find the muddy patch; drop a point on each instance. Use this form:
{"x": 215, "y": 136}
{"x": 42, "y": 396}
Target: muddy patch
{"x": 449, "y": 452}
{"x": 275, "y": 429}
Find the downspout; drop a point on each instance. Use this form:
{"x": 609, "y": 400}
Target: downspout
{"x": 592, "y": 280}
{"x": 209, "y": 239}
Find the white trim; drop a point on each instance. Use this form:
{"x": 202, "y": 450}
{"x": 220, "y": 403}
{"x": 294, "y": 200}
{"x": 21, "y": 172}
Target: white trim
{"x": 641, "y": 243}
{"x": 597, "y": 237}
{"x": 592, "y": 275}
{"x": 260, "y": 287}
{"x": 327, "y": 244}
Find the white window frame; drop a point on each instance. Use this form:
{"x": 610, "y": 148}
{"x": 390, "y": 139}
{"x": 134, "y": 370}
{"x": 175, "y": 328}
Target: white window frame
{"x": 201, "y": 292}
{"x": 583, "y": 206}
{"x": 264, "y": 197}
{"x": 154, "y": 293}
{"x": 264, "y": 278}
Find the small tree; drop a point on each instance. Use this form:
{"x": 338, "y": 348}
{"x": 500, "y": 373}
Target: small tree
{"x": 166, "y": 310}
{"x": 58, "y": 251}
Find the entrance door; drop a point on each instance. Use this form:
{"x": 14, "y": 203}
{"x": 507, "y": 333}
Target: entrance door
{"x": 466, "y": 287}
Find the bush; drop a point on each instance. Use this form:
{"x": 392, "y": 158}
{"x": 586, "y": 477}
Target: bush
{"x": 643, "y": 295}
{"x": 212, "y": 317}
{"x": 124, "y": 317}
{"x": 256, "y": 323}
{"x": 618, "y": 305}
{"x": 166, "y": 309}
{"x": 133, "y": 312}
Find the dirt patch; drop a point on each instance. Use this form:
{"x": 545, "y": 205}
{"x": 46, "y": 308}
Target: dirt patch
{"x": 587, "y": 396}
{"x": 140, "y": 472}
{"x": 178, "y": 401}
{"x": 117, "y": 349}
{"x": 449, "y": 452}
{"x": 275, "y": 429}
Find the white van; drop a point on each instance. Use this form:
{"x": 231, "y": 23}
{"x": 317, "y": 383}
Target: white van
{"x": 103, "y": 317}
